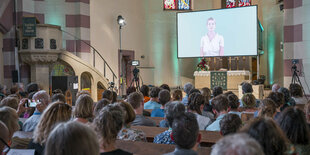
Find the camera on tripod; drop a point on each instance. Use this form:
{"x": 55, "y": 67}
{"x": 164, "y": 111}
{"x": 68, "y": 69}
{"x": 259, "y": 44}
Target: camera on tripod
{"x": 135, "y": 80}
{"x": 111, "y": 85}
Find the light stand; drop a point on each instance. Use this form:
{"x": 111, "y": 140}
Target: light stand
{"x": 121, "y": 22}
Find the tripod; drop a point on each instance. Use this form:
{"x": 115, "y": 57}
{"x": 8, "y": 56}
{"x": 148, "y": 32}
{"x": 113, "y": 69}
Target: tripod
{"x": 295, "y": 78}
{"x": 135, "y": 80}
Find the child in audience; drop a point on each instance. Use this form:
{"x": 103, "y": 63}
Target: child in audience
{"x": 177, "y": 95}
{"x": 195, "y": 105}
{"x": 249, "y": 103}
{"x": 153, "y": 102}
{"x": 83, "y": 110}
{"x": 233, "y": 102}
{"x": 220, "y": 108}
{"x": 230, "y": 124}
{"x": 185, "y": 133}
{"x": 107, "y": 125}
{"x": 163, "y": 97}
{"x": 72, "y": 138}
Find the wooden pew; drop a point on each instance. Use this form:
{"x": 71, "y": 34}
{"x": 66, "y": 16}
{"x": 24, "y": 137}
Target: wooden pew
{"x": 149, "y": 110}
{"x": 152, "y": 148}
{"x": 21, "y": 139}
{"x": 208, "y": 138}
{"x": 156, "y": 119}
{"x": 247, "y": 116}
{"x": 300, "y": 106}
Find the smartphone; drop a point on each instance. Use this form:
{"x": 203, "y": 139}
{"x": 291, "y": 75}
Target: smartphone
{"x": 32, "y": 104}
{"x": 27, "y": 103}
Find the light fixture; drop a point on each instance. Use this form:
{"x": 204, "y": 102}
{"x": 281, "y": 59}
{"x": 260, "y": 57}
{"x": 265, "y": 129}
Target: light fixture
{"x": 121, "y": 21}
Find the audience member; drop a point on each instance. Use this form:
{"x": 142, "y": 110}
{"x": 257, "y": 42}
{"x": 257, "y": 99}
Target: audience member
{"x": 72, "y": 138}
{"x": 237, "y": 144}
{"x": 136, "y": 101}
{"x": 10, "y": 102}
{"x": 233, "y": 103}
{"x": 163, "y": 97}
{"x": 228, "y": 93}
{"x": 187, "y": 88}
{"x": 293, "y": 122}
{"x": 207, "y": 108}
{"x": 297, "y": 94}
{"x": 185, "y": 133}
{"x": 217, "y": 91}
{"x": 194, "y": 91}
{"x": 230, "y": 124}
{"x": 55, "y": 113}
{"x": 165, "y": 86}
{"x": 59, "y": 97}
{"x": 195, "y": 105}
{"x": 220, "y": 109}
{"x": 32, "y": 87}
{"x": 130, "y": 90}
{"x": 9, "y": 117}
{"x": 126, "y": 132}
{"x": 83, "y": 110}
{"x": 275, "y": 87}
{"x": 153, "y": 102}
{"x": 268, "y": 134}
{"x": 267, "y": 108}
{"x": 249, "y": 104}
{"x": 42, "y": 99}
{"x": 246, "y": 88}
{"x": 288, "y": 100}
{"x": 206, "y": 93}
{"x": 172, "y": 110}
{"x": 82, "y": 92}
{"x": 100, "y": 105}
{"x": 114, "y": 97}
{"x": 177, "y": 95}
{"x": 14, "y": 90}
{"x": 107, "y": 125}
{"x": 278, "y": 99}
{"x": 57, "y": 91}
{"x": 107, "y": 94}
{"x": 4, "y": 138}
{"x": 145, "y": 91}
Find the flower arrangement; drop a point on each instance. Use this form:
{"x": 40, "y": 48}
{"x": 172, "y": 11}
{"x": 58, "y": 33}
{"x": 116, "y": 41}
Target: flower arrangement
{"x": 202, "y": 65}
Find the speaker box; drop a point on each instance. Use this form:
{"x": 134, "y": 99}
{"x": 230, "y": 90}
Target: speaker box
{"x": 65, "y": 83}
{"x": 14, "y": 76}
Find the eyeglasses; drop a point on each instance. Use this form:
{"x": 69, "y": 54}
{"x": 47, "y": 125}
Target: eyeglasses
{"x": 7, "y": 148}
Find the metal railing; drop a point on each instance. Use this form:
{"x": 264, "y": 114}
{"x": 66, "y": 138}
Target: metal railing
{"x": 95, "y": 51}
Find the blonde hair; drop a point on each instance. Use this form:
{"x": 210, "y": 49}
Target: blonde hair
{"x": 9, "y": 117}
{"x": 10, "y": 102}
{"x": 84, "y": 107}
{"x": 129, "y": 113}
{"x": 55, "y": 113}
{"x": 267, "y": 108}
{"x": 72, "y": 138}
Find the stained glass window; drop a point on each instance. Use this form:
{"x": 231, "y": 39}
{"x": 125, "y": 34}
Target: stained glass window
{"x": 230, "y": 3}
{"x": 177, "y": 4}
{"x": 244, "y": 3}
{"x": 184, "y": 5}
{"x": 170, "y": 4}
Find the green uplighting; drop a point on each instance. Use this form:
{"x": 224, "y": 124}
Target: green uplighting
{"x": 271, "y": 56}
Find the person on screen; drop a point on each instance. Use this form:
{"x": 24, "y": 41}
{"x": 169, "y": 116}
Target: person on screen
{"x": 212, "y": 44}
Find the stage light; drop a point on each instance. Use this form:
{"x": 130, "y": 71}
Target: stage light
{"x": 121, "y": 21}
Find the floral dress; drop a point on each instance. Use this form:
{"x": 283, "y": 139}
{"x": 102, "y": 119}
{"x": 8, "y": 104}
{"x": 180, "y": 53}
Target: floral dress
{"x": 131, "y": 134}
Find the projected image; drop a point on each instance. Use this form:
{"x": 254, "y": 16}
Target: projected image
{"x": 230, "y": 3}
{"x": 212, "y": 44}
{"x": 244, "y": 3}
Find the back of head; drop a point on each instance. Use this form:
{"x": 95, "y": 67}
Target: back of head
{"x": 107, "y": 94}
{"x": 248, "y": 100}
{"x": 247, "y": 88}
{"x": 129, "y": 113}
{"x": 14, "y": 89}
{"x": 164, "y": 86}
{"x": 164, "y": 97}
{"x": 42, "y": 96}
{"x": 108, "y": 123}
{"x": 233, "y": 101}
{"x": 4, "y": 135}
{"x": 188, "y": 87}
{"x": 296, "y": 90}
{"x": 57, "y": 91}
{"x": 293, "y": 122}
{"x": 173, "y": 110}
{"x": 55, "y": 113}
{"x": 185, "y": 130}
{"x": 59, "y": 97}
{"x": 278, "y": 98}
{"x": 32, "y": 87}
{"x": 145, "y": 90}
{"x": 72, "y": 138}
{"x": 220, "y": 103}
{"x": 217, "y": 91}
{"x": 206, "y": 92}
{"x": 9, "y": 117}
{"x": 82, "y": 92}
{"x": 114, "y": 97}
{"x": 177, "y": 95}
{"x": 237, "y": 144}
{"x": 100, "y": 104}
{"x": 268, "y": 134}
{"x": 130, "y": 90}
{"x": 84, "y": 107}
{"x": 135, "y": 99}
{"x": 230, "y": 124}
{"x": 228, "y": 93}
{"x": 286, "y": 93}
{"x": 275, "y": 87}
{"x": 194, "y": 91}
{"x": 10, "y": 102}
{"x": 154, "y": 92}
{"x": 195, "y": 101}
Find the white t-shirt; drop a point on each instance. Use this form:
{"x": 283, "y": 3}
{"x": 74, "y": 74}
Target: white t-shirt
{"x": 212, "y": 47}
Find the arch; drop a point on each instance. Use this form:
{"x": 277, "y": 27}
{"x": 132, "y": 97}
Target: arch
{"x": 86, "y": 81}
{"x": 100, "y": 90}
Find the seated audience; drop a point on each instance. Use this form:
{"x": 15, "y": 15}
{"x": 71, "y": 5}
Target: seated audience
{"x": 9, "y": 117}
{"x": 59, "y": 97}
{"x": 145, "y": 91}
{"x": 187, "y": 88}
{"x": 249, "y": 102}
{"x": 165, "y": 86}
{"x": 278, "y": 99}
{"x": 163, "y": 97}
{"x": 195, "y": 105}
{"x": 172, "y": 110}
{"x": 100, "y": 105}
{"x": 217, "y": 91}
{"x": 83, "y": 110}
{"x": 267, "y": 108}
{"x": 126, "y": 132}
{"x": 230, "y": 124}
{"x": 4, "y": 138}
{"x": 288, "y": 100}
{"x": 72, "y": 138}
{"x": 10, "y": 102}
{"x": 44, "y": 100}
{"x": 293, "y": 123}
{"x": 268, "y": 134}
{"x": 107, "y": 94}
{"x": 185, "y": 133}
{"x": 136, "y": 101}
{"x": 153, "y": 102}
{"x": 177, "y": 95}
{"x": 107, "y": 125}
{"x": 247, "y": 89}
{"x": 220, "y": 109}
{"x": 206, "y": 93}
{"x": 275, "y": 87}
{"x": 297, "y": 94}
{"x": 194, "y": 91}
{"x": 55, "y": 113}
{"x": 237, "y": 144}
{"x": 233, "y": 103}
{"x": 207, "y": 108}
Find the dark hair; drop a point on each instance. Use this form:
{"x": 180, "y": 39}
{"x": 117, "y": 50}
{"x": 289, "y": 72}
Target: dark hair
{"x": 177, "y": 95}
{"x": 206, "y": 92}
{"x": 246, "y": 88}
{"x": 228, "y": 93}
{"x": 220, "y": 103}
{"x": 100, "y": 105}
{"x": 145, "y": 90}
{"x": 296, "y": 90}
{"x": 188, "y": 87}
{"x": 114, "y": 97}
{"x": 248, "y": 100}
{"x": 278, "y": 98}
{"x": 130, "y": 90}
{"x": 59, "y": 97}
{"x": 185, "y": 130}
{"x": 164, "y": 86}
{"x": 164, "y": 97}
{"x": 268, "y": 134}
{"x": 233, "y": 101}
{"x": 230, "y": 124}
{"x": 195, "y": 101}
{"x": 32, "y": 87}
{"x": 14, "y": 89}
{"x": 154, "y": 92}
{"x": 217, "y": 90}
{"x": 56, "y": 91}
{"x": 286, "y": 93}
{"x": 173, "y": 110}
{"x": 108, "y": 95}
{"x": 293, "y": 122}
{"x": 135, "y": 99}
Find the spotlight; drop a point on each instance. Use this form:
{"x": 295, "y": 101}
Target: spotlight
{"x": 121, "y": 21}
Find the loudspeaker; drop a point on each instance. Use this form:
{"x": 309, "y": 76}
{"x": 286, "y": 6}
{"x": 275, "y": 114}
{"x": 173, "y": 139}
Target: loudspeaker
{"x": 14, "y": 76}
{"x": 65, "y": 83}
